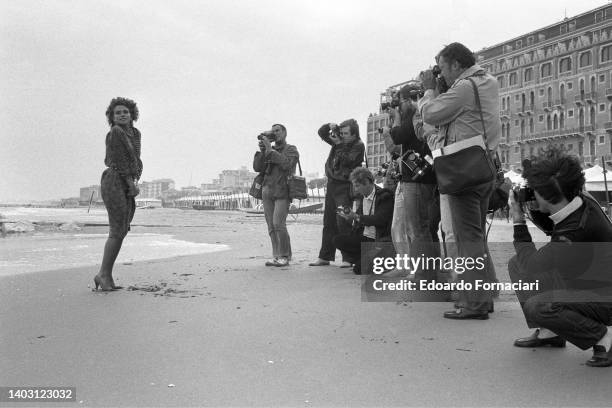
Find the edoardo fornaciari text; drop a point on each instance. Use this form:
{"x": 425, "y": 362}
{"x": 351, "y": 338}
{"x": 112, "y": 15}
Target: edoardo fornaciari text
{"x": 408, "y": 285}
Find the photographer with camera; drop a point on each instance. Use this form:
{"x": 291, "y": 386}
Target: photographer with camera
{"x": 371, "y": 219}
{"x": 414, "y": 195}
{"x": 573, "y": 299}
{"x": 345, "y": 155}
{"x": 469, "y": 108}
{"x": 277, "y": 163}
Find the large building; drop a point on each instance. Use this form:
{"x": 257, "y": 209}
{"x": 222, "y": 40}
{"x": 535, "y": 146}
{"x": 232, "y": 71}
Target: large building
{"x": 236, "y": 180}
{"x": 555, "y": 88}
{"x": 155, "y": 188}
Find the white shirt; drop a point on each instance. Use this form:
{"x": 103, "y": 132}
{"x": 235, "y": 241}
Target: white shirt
{"x": 368, "y": 209}
{"x": 565, "y": 212}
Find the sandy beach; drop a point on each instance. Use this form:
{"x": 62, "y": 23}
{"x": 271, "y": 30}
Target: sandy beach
{"x": 221, "y": 329}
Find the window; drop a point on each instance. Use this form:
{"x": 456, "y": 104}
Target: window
{"x": 516, "y": 149}
{"x": 370, "y": 137}
{"x": 602, "y": 139}
{"x": 500, "y": 81}
{"x": 599, "y": 16}
{"x": 546, "y": 70}
{"x": 570, "y": 113}
{"x": 531, "y": 126}
{"x": 517, "y": 97}
{"x": 541, "y": 118}
{"x": 563, "y": 29}
{"x": 519, "y": 44}
{"x": 602, "y": 107}
{"x": 516, "y": 122}
{"x": 606, "y": 53}
{"x": 562, "y": 93}
{"x": 570, "y": 147}
{"x": 585, "y": 59}
{"x": 541, "y": 92}
{"x": 528, "y": 74}
{"x": 570, "y": 85}
{"x": 530, "y": 40}
{"x": 512, "y": 80}
{"x": 565, "y": 64}
{"x": 592, "y": 148}
{"x": 602, "y": 78}
{"x": 369, "y": 150}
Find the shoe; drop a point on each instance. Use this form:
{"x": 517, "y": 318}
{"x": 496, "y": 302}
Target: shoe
{"x": 462, "y": 314}
{"x": 491, "y": 308}
{"x": 345, "y": 264}
{"x": 319, "y": 262}
{"x": 535, "y": 341}
{"x": 601, "y": 357}
{"x": 272, "y": 262}
{"x": 281, "y": 262}
{"x": 104, "y": 285}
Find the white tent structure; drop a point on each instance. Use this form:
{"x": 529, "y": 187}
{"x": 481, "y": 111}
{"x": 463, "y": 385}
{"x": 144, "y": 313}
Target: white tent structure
{"x": 594, "y": 177}
{"x": 514, "y": 177}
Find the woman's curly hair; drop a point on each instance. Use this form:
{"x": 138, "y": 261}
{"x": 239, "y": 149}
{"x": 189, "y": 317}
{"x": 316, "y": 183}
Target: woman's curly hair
{"x": 128, "y": 103}
{"x": 555, "y": 175}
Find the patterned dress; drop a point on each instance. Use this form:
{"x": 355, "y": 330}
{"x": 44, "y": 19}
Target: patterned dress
{"x": 123, "y": 162}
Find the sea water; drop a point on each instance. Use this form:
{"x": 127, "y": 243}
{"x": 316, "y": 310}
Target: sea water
{"x": 50, "y": 249}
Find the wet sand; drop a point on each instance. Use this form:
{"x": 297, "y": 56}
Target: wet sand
{"x": 221, "y": 329}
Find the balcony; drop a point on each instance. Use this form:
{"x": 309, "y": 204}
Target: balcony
{"x": 579, "y": 99}
{"x": 609, "y": 93}
{"x": 608, "y": 126}
{"x": 504, "y": 114}
{"x": 591, "y": 97}
{"x": 548, "y": 135}
{"x": 547, "y": 106}
{"x": 530, "y": 109}
{"x": 559, "y": 104}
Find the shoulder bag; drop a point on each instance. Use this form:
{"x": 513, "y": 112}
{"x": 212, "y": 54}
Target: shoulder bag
{"x": 464, "y": 164}
{"x": 256, "y": 187}
{"x": 297, "y": 185}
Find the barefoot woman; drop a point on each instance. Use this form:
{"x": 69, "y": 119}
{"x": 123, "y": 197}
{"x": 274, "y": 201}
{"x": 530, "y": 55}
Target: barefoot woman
{"x": 118, "y": 184}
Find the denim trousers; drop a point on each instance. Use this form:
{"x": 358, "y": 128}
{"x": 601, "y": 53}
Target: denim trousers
{"x": 337, "y": 194}
{"x": 276, "y": 211}
{"x": 411, "y": 225}
{"x": 467, "y": 212}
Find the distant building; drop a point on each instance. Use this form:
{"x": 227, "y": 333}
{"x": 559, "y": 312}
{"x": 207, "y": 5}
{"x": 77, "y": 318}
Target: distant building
{"x": 156, "y": 188}
{"x": 236, "y": 180}
{"x": 190, "y": 191}
{"x": 85, "y": 194}
{"x": 556, "y": 88}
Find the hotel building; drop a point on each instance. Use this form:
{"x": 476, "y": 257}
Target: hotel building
{"x": 555, "y": 88}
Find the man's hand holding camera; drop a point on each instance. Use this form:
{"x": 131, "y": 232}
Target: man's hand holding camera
{"x": 347, "y": 213}
{"x": 428, "y": 79}
{"x": 265, "y": 141}
{"x": 334, "y": 134}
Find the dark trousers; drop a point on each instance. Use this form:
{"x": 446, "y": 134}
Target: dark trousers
{"x": 350, "y": 245}
{"x": 574, "y": 315}
{"x": 468, "y": 211}
{"x": 338, "y": 194}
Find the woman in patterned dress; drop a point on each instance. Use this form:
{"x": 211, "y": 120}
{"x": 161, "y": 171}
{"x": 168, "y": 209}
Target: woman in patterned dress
{"x": 119, "y": 183}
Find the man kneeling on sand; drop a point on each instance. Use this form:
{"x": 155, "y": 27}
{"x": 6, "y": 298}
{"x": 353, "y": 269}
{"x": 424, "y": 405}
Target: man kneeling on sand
{"x": 371, "y": 217}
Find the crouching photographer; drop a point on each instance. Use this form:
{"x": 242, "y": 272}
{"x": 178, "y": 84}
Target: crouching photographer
{"x": 371, "y": 218}
{"x": 568, "y": 296}
{"x": 276, "y": 163}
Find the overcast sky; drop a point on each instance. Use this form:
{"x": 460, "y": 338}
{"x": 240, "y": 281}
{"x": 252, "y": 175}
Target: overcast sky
{"x": 208, "y": 76}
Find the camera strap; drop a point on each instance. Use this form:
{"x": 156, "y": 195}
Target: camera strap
{"x": 495, "y": 160}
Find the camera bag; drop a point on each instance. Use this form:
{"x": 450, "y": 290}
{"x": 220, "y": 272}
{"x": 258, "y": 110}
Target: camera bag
{"x": 464, "y": 164}
{"x": 256, "y": 187}
{"x": 297, "y": 185}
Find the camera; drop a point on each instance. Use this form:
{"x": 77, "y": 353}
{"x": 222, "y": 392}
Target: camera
{"x": 269, "y": 134}
{"x": 390, "y": 100}
{"x": 417, "y": 164}
{"x": 524, "y": 195}
{"x": 344, "y": 209}
{"x": 442, "y": 85}
{"x": 390, "y": 169}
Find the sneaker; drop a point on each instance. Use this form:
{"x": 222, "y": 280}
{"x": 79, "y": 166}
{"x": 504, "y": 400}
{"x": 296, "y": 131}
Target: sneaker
{"x": 271, "y": 262}
{"x": 281, "y": 262}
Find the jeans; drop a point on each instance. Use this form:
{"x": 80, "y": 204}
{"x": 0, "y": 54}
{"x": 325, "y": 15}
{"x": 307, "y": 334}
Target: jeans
{"x": 276, "y": 211}
{"x": 468, "y": 212}
{"x": 410, "y": 228}
{"x": 338, "y": 194}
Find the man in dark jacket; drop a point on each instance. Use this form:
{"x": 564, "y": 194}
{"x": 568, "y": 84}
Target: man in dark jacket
{"x": 371, "y": 217}
{"x": 573, "y": 297}
{"x": 345, "y": 155}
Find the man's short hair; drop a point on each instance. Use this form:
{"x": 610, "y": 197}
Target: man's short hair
{"x": 280, "y": 126}
{"x": 360, "y": 175}
{"x": 353, "y": 126}
{"x": 458, "y": 52}
{"x": 555, "y": 175}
